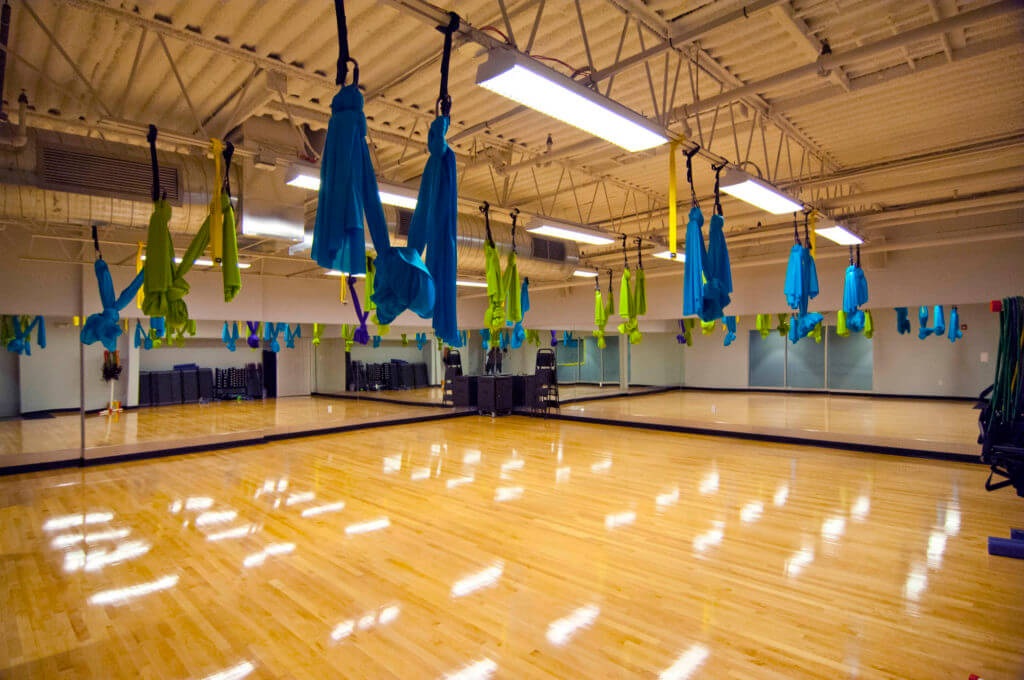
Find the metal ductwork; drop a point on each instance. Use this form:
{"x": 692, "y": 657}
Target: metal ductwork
{"x": 540, "y": 258}
{"x": 65, "y": 180}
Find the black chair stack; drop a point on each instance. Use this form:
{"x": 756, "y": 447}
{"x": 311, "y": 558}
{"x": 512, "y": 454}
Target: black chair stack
{"x": 452, "y": 369}
{"x": 546, "y": 372}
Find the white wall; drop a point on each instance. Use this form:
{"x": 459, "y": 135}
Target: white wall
{"x": 206, "y": 352}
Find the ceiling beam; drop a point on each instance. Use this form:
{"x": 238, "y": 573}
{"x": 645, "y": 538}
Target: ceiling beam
{"x": 805, "y": 40}
{"x": 995, "y": 10}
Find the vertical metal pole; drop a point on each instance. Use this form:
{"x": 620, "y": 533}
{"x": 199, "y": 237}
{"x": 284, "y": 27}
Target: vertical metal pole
{"x": 623, "y": 362}
{"x": 81, "y": 401}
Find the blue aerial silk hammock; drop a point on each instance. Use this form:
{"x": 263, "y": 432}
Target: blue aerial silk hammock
{"x": 954, "y": 325}
{"x": 421, "y": 340}
{"x": 254, "y": 334}
{"x": 938, "y": 320}
{"x": 21, "y": 341}
{"x": 376, "y": 341}
{"x": 693, "y": 276}
{"x": 230, "y": 336}
{"x": 270, "y": 333}
{"x": 485, "y": 336}
{"x": 855, "y": 294}
{"x": 707, "y": 279}
{"x": 902, "y": 320}
{"x": 730, "y": 330}
{"x": 801, "y": 286}
{"x": 105, "y": 326}
{"x": 717, "y": 271}
{"x": 290, "y": 335}
{"x": 142, "y": 338}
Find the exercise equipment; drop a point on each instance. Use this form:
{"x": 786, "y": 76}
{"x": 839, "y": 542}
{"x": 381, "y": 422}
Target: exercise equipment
{"x": 855, "y": 288}
{"x": 816, "y": 332}
{"x": 518, "y": 332}
{"x": 783, "y": 327}
{"x": 485, "y": 338}
{"x": 763, "y": 324}
{"x": 569, "y": 341}
{"x": 348, "y": 332}
{"x": 554, "y": 339}
{"x": 105, "y": 327}
{"x": 19, "y": 337}
{"x": 318, "y": 331}
{"x": 348, "y": 184}
{"x": 707, "y": 327}
{"x": 221, "y": 226}
{"x": 533, "y": 337}
{"x": 630, "y": 302}
{"x": 717, "y": 269}
{"x": 954, "y": 325}
{"x": 254, "y": 334}
{"x": 693, "y": 271}
{"x": 938, "y": 327}
{"x": 686, "y": 327}
{"x": 902, "y": 320}
{"x": 142, "y": 339}
{"x": 801, "y": 283}
{"x": 421, "y": 340}
{"x": 376, "y": 341}
{"x": 362, "y": 334}
{"x": 290, "y": 335}
{"x": 869, "y": 325}
{"x": 230, "y": 335}
{"x": 368, "y": 290}
{"x": 270, "y": 332}
{"x": 600, "y": 311}
{"x": 730, "y": 327}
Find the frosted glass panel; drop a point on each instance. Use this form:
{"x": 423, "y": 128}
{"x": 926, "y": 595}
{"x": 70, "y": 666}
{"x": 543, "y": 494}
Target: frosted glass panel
{"x": 767, "y": 360}
{"x": 567, "y": 358}
{"x": 850, "y": 361}
{"x": 805, "y": 364}
{"x": 590, "y": 371}
{"x": 610, "y": 359}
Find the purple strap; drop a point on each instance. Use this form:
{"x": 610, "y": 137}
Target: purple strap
{"x": 554, "y": 339}
{"x": 362, "y": 335}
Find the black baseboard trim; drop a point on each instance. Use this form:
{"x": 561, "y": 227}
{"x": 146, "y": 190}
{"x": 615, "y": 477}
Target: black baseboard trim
{"x": 358, "y": 396}
{"x": 778, "y": 439}
{"x": 231, "y": 444}
{"x": 828, "y": 393}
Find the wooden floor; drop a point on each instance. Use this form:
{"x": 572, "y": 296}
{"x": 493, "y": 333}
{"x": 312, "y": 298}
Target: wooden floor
{"x": 509, "y": 548}
{"x": 929, "y": 424}
{"x": 32, "y": 441}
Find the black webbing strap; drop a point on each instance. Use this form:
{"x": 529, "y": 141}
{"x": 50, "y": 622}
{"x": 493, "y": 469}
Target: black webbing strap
{"x": 514, "y": 215}
{"x": 486, "y": 210}
{"x": 444, "y": 100}
{"x": 689, "y": 172}
{"x": 718, "y": 192}
{"x": 851, "y": 256}
{"x": 343, "y": 55}
{"x": 229, "y": 150}
{"x": 151, "y": 138}
{"x": 610, "y": 283}
{"x": 858, "y": 254}
{"x": 639, "y": 253}
{"x": 625, "y": 256}
{"x": 807, "y": 230}
{"x": 96, "y": 243}
{"x": 796, "y": 230}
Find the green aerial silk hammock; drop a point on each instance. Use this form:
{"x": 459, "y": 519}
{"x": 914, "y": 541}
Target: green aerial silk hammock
{"x": 632, "y": 296}
{"x": 500, "y": 286}
{"x": 783, "y": 327}
{"x": 707, "y": 327}
{"x": 764, "y": 324}
{"x": 164, "y": 284}
{"x": 842, "y": 330}
{"x": 368, "y": 287}
{"x": 348, "y": 334}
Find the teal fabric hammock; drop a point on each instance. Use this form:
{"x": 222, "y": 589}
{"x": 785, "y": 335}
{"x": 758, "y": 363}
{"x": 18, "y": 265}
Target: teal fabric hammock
{"x": 938, "y": 320}
{"x": 485, "y": 337}
{"x": 902, "y": 320}
{"x": 801, "y": 285}
{"x": 290, "y": 335}
{"x": 855, "y": 294}
{"x": 518, "y": 332}
{"x": 230, "y": 336}
{"x": 954, "y": 325}
{"x": 105, "y": 326}
{"x": 21, "y": 343}
{"x": 270, "y": 333}
{"x": 730, "y": 330}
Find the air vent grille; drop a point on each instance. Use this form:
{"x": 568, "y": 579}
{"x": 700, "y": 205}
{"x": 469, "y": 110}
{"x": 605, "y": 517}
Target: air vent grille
{"x": 548, "y": 249}
{"x": 404, "y": 221}
{"x": 85, "y": 173}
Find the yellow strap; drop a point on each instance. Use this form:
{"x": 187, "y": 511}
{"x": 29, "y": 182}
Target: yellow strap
{"x": 138, "y": 268}
{"x": 672, "y": 147}
{"x": 344, "y": 282}
{"x": 75, "y": 320}
{"x": 216, "y": 210}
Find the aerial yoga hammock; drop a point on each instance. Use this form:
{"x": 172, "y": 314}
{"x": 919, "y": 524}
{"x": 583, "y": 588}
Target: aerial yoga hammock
{"x": 376, "y": 341}
{"x": 230, "y": 335}
{"x": 686, "y": 327}
{"x": 19, "y": 338}
{"x": 518, "y": 332}
{"x": 164, "y": 282}
{"x": 632, "y": 296}
{"x": 938, "y": 319}
{"x": 362, "y": 335}
{"x": 497, "y": 284}
{"x": 254, "y": 334}
{"x": 179, "y": 332}
{"x": 510, "y": 281}
{"x": 902, "y": 320}
{"x": 270, "y": 332}
{"x": 707, "y": 279}
{"x": 421, "y": 340}
{"x": 602, "y": 311}
{"x": 801, "y": 284}
{"x": 485, "y": 338}
{"x": 730, "y": 328}
{"x": 763, "y": 324}
{"x": 554, "y": 338}
{"x": 368, "y": 288}
{"x": 533, "y": 337}
{"x": 290, "y": 335}
{"x": 855, "y": 293}
{"x": 954, "y": 325}
{"x": 707, "y": 327}
{"x": 142, "y": 338}
{"x": 318, "y": 331}
{"x": 105, "y": 326}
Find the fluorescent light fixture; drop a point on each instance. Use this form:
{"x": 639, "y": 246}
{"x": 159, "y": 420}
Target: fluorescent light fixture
{"x": 568, "y": 232}
{"x": 840, "y": 235}
{"x": 306, "y": 176}
{"x": 584, "y": 274}
{"x": 272, "y": 227}
{"x": 303, "y": 176}
{"x": 471, "y": 284}
{"x": 757, "y": 192}
{"x": 201, "y": 262}
{"x": 667, "y": 255}
{"x": 335, "y": 272}
{"x": 397, "y": 195}
{"x": 527, "y": 81}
